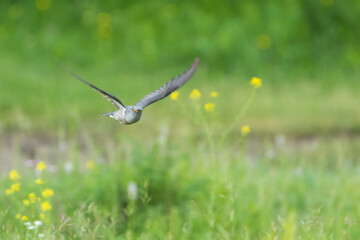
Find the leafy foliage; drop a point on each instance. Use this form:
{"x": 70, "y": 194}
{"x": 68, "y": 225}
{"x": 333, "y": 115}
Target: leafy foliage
{"x": 292, "y": 35}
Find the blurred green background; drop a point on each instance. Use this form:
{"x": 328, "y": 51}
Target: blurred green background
{"x": 307, "y": 52}
{"x": 246, "y": 37}
{"x": 293, "y": 176}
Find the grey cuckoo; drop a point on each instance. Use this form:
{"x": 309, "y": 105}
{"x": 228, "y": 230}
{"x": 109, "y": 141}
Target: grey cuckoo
{"x": 132, "y": 114}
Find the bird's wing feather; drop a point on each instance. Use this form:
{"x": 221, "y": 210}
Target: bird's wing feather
{"x": 168, "y": 87}
{"x": 114, "y": 100}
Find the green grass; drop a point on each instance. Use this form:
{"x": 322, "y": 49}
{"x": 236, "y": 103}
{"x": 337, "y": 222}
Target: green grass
{"x": 190, "y": 184}
{"x": 292, "y": 189}
{"x": 298, "y": 105}
{"x": 295, "y": 176}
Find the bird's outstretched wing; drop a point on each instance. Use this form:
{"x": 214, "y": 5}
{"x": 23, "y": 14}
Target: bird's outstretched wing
{"x": 168, "y": 87}
{"x": 114, "y": 100}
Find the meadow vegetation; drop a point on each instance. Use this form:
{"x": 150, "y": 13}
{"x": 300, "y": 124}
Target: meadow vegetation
{"x": 219, "y": 159}
{"x": 188, "y": 183}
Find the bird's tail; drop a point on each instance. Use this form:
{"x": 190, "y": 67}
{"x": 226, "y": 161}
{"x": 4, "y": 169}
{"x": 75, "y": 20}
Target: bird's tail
{"x": 110, "y": 114}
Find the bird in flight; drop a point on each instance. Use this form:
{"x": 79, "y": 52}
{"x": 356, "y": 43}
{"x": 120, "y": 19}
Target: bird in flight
{"x": 132, "y": 114}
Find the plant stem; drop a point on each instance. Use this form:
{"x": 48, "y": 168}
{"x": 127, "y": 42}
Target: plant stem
{"x": 238, "y": 117}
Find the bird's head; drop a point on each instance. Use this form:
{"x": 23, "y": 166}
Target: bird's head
{"x": 132, "y": 114}
{"x": 136, "y": 109}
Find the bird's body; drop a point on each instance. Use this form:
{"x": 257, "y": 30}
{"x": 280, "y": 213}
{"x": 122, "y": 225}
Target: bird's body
{"x": 125, "y": 115}
{"x": 132, "y": 114}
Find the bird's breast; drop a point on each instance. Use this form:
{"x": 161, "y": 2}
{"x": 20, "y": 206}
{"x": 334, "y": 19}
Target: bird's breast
{"x": 132, "y": 117}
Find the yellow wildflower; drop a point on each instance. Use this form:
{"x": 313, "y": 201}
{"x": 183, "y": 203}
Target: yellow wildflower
{"x": 209, "y": 107}
{"x": 39, "y": 199}
{"x": 174, "y": 95}
{"x": 13, "y": 175}
{"x": 105, "y": 32}
{"x": 256, "y": 82}
{"x": 42, "y": 216}
{"x": 39, "y": 181}
{"x": 326, "y": 2}
{"x": 214, "y": 94}
{"x": 43, "y": 5}
{"x": 263, "y": 41}
{"x": 47, "y": 193}
{"x": 90, "y": 164}
{"x": 103, "y": 19}
{"x": 26, "y": 202}
{"x": 32, "y": 197}
{"x": 41, "y": 166}
{"x": 104, "y": 22}
{"x": 24, "y": 218}
{"x": 245, "y": 130}
{"x": 46, "y": 206}
{"x": 195, "y": 94}
{"x": 9, "y": 191}
{"x": 15, "y": 187}
{"x": 17, "y": 216}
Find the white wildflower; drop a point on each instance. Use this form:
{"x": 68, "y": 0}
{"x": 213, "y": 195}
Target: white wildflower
{"x": 38, "y": 223}
{"x": 280, "y": 140}
{"x": 68, "y": 167}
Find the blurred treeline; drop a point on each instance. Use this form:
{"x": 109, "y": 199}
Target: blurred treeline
{"x": 229, "y": 36}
